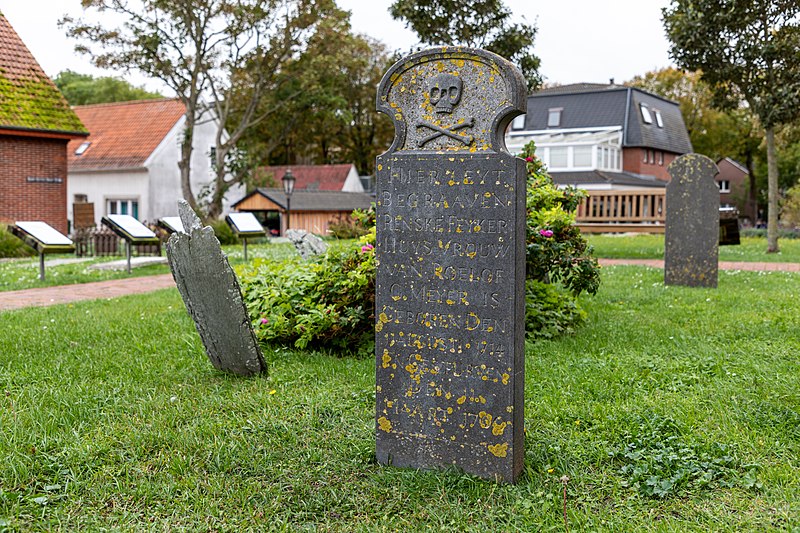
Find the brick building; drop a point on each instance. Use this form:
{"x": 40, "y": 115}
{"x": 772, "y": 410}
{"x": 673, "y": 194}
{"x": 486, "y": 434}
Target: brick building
{"x": 36, "y": 123}
{"x": 599, "y": 136}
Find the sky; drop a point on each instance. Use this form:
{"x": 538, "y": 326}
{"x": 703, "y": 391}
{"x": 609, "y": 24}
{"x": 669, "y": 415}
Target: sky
{"x": 577, "y": 40}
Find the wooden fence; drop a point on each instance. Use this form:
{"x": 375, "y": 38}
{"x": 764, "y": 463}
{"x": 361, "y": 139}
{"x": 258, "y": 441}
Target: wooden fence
{"x": 633, "y": 210}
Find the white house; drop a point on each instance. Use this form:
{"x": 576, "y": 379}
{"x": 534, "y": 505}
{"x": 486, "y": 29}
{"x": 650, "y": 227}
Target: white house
{"x": 129, "y": 162}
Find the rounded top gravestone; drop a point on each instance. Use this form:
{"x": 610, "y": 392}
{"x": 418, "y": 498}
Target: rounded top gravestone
{"x": 450, "y": 281}
{"x": 452, "y": 99}
{"x": 691, "y": 240}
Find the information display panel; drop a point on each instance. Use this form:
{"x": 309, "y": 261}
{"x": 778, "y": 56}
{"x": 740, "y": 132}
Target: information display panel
{"x": 130, "y": 229}
{"x": 172, "y": 224}
{"x": 245, "y": 224}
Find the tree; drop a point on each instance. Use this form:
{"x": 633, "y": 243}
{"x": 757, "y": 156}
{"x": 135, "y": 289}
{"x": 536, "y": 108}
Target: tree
{"x": 713, "y": 132}
{"x": 747, "y": 50}
{"x": 333, "y": 118}
{"x": 83, "y": 89}
{"x": 208, "y": 52}
{"x": 481, "y": 23}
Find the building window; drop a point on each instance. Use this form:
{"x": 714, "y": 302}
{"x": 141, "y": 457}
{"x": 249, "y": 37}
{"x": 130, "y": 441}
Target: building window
{"x": 724, "y": 186}
{"x": 651, "y": 156}
{"x": 81, "y": 198}
{"x": 661, "y": 158}
{"x": 582, "y": 156}
{"x": 82, "y": 148}
{"x": 554, "y": 117}
{"x": 558, "y": 157}
{"x": 644, "y": 155}
{"x": 518, "y": 123}
{"x": 123, "y": 207}
{"x": 659, "y": 120}
{"x": 648, "y": 119}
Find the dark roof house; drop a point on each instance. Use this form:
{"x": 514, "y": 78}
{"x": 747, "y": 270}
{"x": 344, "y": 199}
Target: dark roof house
{"x": 603, "y": 136}
{"x": 35, "y": 125}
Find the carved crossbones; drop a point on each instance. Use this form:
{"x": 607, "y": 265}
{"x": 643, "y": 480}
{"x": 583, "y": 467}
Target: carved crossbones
{"x": 448, "y": 131}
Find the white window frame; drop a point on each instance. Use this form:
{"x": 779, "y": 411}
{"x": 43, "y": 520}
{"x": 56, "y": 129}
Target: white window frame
{"x": 724, "y": 186}
{"x": 554, "y": 112}
{"x": 646, "y": 116}
{"x": 518, "y": 123}
{"x": 129, "y": 206}
{"x": 659, "y": 120}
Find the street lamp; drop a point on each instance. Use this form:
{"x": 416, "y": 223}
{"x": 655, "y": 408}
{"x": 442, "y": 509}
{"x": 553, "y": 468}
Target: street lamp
{"x": 288, "y": 180}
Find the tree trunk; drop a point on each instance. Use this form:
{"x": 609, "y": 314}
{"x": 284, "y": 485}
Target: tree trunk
{"x": 185, "y": 163}
{"x": 772, "y": 192}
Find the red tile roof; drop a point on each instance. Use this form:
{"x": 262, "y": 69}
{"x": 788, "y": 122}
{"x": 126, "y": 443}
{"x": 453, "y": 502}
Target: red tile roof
{"x": 311, "y": 177}
{"x": 29, "y": 100}
{"x": 124, "y": 134}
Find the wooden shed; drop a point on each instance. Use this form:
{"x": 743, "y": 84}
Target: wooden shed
{"x": 312, "y": 211}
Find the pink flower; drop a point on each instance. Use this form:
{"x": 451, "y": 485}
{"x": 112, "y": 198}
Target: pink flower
{"x": 545, "y": 233}
{"x": 529, "y": 159}
{"x": 264, "y": 320}
{"x": 366, "y": 248}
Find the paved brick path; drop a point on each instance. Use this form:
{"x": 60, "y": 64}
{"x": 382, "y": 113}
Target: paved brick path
{"x": 122, "y": 287}
{"x": 85, "y": 291}
{"x": 723, "y": 265}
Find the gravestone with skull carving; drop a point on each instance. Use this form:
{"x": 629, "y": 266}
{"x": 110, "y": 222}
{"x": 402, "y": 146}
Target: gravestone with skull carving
{"x": 450, "y": 298}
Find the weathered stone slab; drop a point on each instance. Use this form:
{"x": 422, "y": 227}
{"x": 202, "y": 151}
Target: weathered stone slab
{"x": 307, "y": 244}
{"x": 450, "y": 303}
{"x": 691, "y": 241}
{"x": 211, "y": 292}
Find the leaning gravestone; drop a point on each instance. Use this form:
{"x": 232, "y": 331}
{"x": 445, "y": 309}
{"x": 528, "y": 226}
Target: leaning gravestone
{"x": 450, "y": 302}
{"x": 212, "y": 296}
{"x": 307, "y": 244}
{"x": 691, "y": 241}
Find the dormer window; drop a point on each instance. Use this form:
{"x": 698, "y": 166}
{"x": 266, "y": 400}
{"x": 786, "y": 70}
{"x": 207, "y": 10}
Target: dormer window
{"x": 518, "y": 123}
{"x": 646, "y": 117}
{"x": 554, "y": 117}
{"x": 82, "y": 148}
{"x": 659, "y": 120}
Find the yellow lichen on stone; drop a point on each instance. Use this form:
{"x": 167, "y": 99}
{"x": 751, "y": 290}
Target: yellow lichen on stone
{"x": 498, "y": 428}
{"x": 499, "y": 450}
{"x": 385, "y": 425}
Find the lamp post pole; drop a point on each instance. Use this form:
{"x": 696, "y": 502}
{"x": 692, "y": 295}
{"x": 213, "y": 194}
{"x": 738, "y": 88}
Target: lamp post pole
{"x": 288, "y": 180}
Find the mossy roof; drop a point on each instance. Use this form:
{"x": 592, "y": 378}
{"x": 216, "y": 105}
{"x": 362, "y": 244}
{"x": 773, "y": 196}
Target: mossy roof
{"x": 29, "y": 100}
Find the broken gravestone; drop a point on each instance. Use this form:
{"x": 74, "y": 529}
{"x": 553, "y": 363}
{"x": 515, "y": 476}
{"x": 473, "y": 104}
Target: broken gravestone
{"x": 450, "y": 286}
{"x": 210, "y": 290}
{"x": 691, "y": 241}
{"x": 307, "y": 244}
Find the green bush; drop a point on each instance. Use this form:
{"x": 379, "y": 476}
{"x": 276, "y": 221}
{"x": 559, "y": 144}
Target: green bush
{"x": 350, "y": 227}
{"x": 783, "y": 233}
{"x": 10, "y": 246}
{"x": 223, "y": 231}
{"x": 328, "y": 301}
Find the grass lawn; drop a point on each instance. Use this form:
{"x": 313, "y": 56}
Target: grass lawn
{"x": 18, "y": 274}
{"x": 673, "y": 409}
{"x": 645, "y": 246}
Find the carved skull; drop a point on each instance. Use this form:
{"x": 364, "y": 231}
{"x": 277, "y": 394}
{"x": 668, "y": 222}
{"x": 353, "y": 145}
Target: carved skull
{"x": 445, "y": 92}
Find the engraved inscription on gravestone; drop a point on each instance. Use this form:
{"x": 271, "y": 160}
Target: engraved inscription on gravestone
{"x": 451, "y": 266}
{"x": 691, "y": 240}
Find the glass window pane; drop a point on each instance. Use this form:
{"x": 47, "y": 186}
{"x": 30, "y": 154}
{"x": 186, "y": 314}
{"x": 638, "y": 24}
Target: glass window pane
{"x": 582, "y": 156}
{"x": 123, "y": 208}
{"x": 646, "y": 114}
{"x": 558, "y": 157}
{"x": 519, "y": 123}
{"x": 135, "y": 209}
{"x": 554, "y": 117}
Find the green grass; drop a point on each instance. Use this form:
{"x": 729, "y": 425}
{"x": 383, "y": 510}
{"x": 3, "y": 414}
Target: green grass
{"x": 112, "y": 418}
{"x": 18, "y": 274}
{"x": 646, "y": 246}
